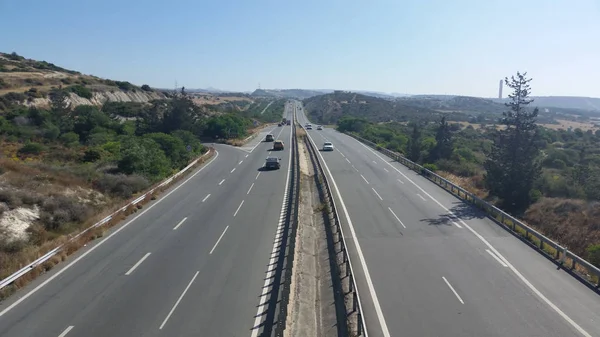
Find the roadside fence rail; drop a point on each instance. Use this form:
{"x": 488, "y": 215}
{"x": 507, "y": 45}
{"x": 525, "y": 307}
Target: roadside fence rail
{"x": 289, "y": 236}
{"x": 15, "y": 276}
{"x": 577, "y": 266}
{"x": 357, "y": 306}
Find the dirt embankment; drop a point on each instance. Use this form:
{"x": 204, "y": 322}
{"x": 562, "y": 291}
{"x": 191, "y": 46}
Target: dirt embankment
{"x": 99, "y": 98}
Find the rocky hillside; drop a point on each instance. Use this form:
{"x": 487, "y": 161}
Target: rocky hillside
{"x": 29, "y": 82}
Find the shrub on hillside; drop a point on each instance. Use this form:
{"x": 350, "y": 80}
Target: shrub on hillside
{"x": 146, "y": 87}
{"x": 59, "y": 210}
{"x": 31, "y": 148}
{"x": 81, "y": 91}
{"x": 121, "y": 185}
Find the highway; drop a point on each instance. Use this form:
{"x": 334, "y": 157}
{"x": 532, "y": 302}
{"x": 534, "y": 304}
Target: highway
{"x": 193, "y": 263}
{"x": 423, "y": 272}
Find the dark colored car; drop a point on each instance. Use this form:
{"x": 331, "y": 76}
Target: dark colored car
{"x": 269, "y": 138}
{"x": 272, "y": 163}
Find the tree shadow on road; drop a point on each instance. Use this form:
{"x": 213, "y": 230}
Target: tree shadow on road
{"x": 460, "y": 210}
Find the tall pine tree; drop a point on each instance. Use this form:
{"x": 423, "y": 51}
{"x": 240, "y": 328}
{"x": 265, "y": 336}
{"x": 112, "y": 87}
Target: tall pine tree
{"x": 414, "y": 143}
{"x": 443, "y": 142}
{"x": 512, "y": 165}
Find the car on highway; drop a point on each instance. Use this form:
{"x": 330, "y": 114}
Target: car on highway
{"x": 327, "y": 146}
{"x": 269, "y": 138}
{"x": 289, "y": 122}
{"x": 278, "y": 145}
{"x": 272, "y": 163}
{"x": 319, "y": 127}
{"x": 308, "y": 127}
{"x": 279, "y": 124}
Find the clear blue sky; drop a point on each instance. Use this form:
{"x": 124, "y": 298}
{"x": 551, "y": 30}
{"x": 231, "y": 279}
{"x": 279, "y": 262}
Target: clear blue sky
{"x": 453, "y": 47}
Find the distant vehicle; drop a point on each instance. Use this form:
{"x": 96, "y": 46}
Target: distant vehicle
{"x": 327, "y": 146}
{"x": 284, "y": 120}
{"x": 319, "y": 127}
{"x": 278, "y": 145}
{"x": 289, "y": 122}
{"x": 308, "y": 127}
{"x": 279, "y": 124}
{"x": 272, "y": 163}
{"x": 269, "y": 138}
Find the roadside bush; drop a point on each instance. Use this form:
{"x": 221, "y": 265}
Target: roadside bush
{"x": 31, "y": 148}
{"x": 70, "y": 138}
{"x": 59, "y": 210}
{"x": 430, "y": 167}
{"x": 121, "y": 185}
{"x": 11, "y": 198}
{"x": 594, "y": 254}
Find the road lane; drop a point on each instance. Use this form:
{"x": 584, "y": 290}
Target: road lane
{"x": 96, "y": 297}
{"x": 505, "y": 305}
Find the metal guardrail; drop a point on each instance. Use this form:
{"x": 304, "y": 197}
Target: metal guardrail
{"x": 579, "y": 267}
{"x": 349, "y": 272}
{"x": 15, "y": 276}
{"x": 290, "y": 236}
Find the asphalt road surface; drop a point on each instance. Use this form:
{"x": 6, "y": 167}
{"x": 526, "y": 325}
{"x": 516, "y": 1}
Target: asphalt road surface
{"x": 422, "y": 272}
{"x": 191, "y": 264}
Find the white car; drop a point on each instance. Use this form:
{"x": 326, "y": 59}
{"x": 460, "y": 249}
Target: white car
{"x": 308, "y": 127}
{"x": 327, "y": 146}
{"x": 319, "y": 127}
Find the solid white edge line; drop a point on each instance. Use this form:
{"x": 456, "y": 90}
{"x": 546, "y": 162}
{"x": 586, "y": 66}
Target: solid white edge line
{"x": 380, "y": 198}
{"x": 514, "y": 270}
{"x": 496, "y": 257}
{"x": 395, "y": 216}
{"x": 105, "y": 239}
{"x": 232, "y": 170}
{"x": 250, "y": 189}
{"x": 238, "y": 209}
{"x": 456, "y": 224}
{"x": 64, "y": 333}
{"x": 454, "y": 291}
{"x": 206, "y": 197}
{"x": 372, "y": 292}
{"x": 258, "y": 316}
{"x": 222, "y": 181}
{"x": 218, "y": 240}
{"x": 137, "y": 264}
{"x": 365, "y": 179}
{"x": 180, "y": 222}
{"x": 420, "y": 196}
{"x": 178, "y": 300}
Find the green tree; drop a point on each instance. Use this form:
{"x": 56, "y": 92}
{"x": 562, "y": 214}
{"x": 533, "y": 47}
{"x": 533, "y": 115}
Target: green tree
{"x": 414, "y": 143}
{"x": 143, "y": 156}
{"x": 512, "y": 165}
{"x": 173, "y": 147}
{"x": 443, "y": 142}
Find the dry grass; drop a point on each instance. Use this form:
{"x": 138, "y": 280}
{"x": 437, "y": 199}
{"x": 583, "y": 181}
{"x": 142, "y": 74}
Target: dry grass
{"x": 472, "y": 184}
{"x": 11, "y": 262}
{"x": 252, "y": 133}
{"x": 565, "y": 125}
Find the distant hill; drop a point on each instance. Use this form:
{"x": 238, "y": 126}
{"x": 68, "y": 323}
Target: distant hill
{"x": 328, "y": 108}
{"x": 466, "y": 104}
{"x": 288, "y": 93}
